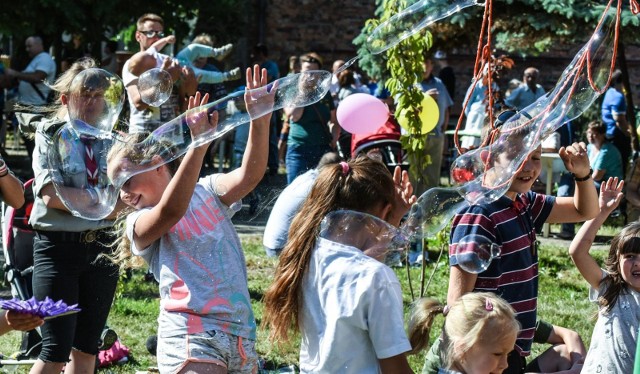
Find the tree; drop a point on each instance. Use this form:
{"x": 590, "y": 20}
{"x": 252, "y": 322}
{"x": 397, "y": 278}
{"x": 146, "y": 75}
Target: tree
{"x": 94, "y": 20}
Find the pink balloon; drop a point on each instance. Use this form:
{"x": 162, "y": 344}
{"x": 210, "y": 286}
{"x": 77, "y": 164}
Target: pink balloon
{"x": 362, "y": 113}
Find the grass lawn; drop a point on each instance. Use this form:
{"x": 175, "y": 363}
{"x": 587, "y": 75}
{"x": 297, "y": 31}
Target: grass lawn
{"x": 563, "y": 301}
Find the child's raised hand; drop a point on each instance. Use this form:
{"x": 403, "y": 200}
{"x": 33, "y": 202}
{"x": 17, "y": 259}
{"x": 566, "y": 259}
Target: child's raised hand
{"x": 610, "y": 195}
{"x": 404, "y": 196}
{"x": 259, "y": 96}
{"x": 575, "y": 159}
{"x": 198, "y": 118}
{"x": 171, "y": 39}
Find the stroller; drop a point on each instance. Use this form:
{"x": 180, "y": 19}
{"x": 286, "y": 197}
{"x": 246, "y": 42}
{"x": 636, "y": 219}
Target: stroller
{"x": 385, "y": 141}
{"x": 17, "y": 246}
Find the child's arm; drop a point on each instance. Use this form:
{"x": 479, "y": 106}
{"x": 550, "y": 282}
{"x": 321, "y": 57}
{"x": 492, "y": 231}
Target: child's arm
{"x": 610, "y": 196}
{"x": 460, "y": 283}
{"x": 239, "y": 182}
{"x": 395, "y": 364}
{"x": 584, "y": 203}
{"x": 162, "y": 42}
{"x": 173, "y": 205}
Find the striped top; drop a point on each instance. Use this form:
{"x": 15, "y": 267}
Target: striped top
{"x": 513, "y": 275}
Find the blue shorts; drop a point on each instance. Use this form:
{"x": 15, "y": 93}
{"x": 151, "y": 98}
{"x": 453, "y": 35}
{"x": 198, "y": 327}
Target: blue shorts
{"x": 236, "y": 354}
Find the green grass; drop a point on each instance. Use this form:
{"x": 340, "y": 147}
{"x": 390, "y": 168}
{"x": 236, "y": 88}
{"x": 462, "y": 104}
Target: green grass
{"x": 563, "y": 301}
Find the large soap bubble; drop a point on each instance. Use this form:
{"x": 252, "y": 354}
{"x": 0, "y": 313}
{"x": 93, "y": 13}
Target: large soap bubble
{"x": 474, "y": 253}
{"x": 375, "y": 237}
{"x": 96, "y": 98}
{"x": 173, "y": 139}
{"x": 411, "y": 20}
{"x": 81, "y": 189}
{"x": 154, "y": 86}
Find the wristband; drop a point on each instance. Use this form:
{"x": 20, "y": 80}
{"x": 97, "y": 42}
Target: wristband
{"x": 3, "y": 168}
{"x": 582, "y": 179}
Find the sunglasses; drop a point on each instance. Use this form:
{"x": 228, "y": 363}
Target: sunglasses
{"x": 311, "y": 60}
{"x": 504, "y": 116}
{"x": 151, "y": 33}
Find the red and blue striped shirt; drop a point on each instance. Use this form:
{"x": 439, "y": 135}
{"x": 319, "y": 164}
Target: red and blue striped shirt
{"x": 513, "y": 275}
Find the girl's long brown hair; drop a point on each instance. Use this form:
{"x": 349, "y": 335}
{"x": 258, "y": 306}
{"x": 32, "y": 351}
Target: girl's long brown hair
{"x": 626, "y": 241}
{"x": 366, "y": 185}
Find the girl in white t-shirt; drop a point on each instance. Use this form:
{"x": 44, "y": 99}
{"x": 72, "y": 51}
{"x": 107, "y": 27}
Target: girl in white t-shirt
{"x": 479, "y": 332}
{"x": 616, "y": 288}
{"x": 182, "y": 228}
{"x": 346, "y": 305}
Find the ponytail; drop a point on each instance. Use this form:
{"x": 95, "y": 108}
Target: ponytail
{"x": 358, "y": 185}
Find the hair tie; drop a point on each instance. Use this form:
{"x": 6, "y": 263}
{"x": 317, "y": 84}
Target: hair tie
{"x": 445, "y": 310}
{"x": 345, "y": 168}
{"x": 488, "y": 305}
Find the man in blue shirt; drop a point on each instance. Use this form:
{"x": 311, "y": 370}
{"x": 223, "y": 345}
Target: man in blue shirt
{"x": 613, "y": 113}
{"x": 528, "y": 92}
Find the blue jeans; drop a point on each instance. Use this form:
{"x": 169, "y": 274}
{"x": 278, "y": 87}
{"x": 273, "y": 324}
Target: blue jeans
{"x": 301, "y": 158}
{"x": 68, "y": 270}
{"x": 566, "y": 188}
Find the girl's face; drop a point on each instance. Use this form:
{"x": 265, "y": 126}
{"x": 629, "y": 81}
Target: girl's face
{"x": 145, "y": 190}
{"x": 87, "y": 105}
{"x": 630, "y": 269}
{"x": 488, "y": 356}
{"x": 523, "y": 180}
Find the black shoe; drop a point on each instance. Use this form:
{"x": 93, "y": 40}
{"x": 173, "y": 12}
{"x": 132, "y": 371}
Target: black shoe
{"x": 565, "y": 235}
{"x": 107, "y": 339}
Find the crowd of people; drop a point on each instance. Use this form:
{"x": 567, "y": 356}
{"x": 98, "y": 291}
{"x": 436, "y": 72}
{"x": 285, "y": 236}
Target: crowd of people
{"x": 339, "y": 299}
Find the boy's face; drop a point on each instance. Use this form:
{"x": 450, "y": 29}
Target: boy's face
{"x": 522, "y": 181}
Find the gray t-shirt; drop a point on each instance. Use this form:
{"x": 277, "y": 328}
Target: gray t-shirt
{"x": 614, "y": 338}
{"x": 201, "y": 269}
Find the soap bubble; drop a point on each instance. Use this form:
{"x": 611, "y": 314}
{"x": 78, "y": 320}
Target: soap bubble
{"x": 375, "y": 237}
{"x": 154, "y": 86}
{"x": 411, "y": 20}
{"x": 432, "y": 212}
{"x": 474, "y": 253}
{"x": 95, "y": 98}
{"x": 69, "y": 175}
{"x": 173, "y": 139}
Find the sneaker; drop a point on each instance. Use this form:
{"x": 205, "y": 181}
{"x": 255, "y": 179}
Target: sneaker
{"x": 107, "y": 339}
{"x": 223, "y": 52}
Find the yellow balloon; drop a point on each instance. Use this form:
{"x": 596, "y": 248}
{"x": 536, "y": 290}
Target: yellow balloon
{"x": 429, "y": 115}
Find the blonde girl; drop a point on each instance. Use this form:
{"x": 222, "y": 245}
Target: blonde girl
{"x": 479, "y": 332}
{"x": 182, "y": 228}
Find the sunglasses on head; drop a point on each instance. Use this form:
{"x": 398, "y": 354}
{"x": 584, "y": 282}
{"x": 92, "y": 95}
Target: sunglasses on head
{"x": 504, "y": 116}
{"x": 152, "y": 33}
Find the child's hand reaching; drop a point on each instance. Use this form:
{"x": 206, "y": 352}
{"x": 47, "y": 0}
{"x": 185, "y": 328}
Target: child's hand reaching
{"x": 575, "y": 159}
{"x": 170, "y": 39}
{"x": 404, "y": 196}
{"x": 610, "y": 195}
{"x": 259, "y": 96}
{"x": 198, "y": 119}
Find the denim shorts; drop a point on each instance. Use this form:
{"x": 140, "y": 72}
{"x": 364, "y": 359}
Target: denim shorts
{"x": 236, "y": 354}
